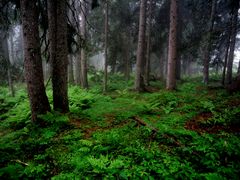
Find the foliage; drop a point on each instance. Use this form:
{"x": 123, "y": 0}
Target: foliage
{"x": 100, "y": 138}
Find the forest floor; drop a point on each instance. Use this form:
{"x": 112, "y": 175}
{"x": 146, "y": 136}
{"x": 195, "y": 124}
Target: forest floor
{"x": 190, "y": 133}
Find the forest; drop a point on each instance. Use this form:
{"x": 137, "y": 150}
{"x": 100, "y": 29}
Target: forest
{"x": 120, "y": 89}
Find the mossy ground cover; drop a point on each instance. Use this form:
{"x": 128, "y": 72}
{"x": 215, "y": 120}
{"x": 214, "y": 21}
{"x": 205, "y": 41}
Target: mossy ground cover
{"x": 196, "y": 135}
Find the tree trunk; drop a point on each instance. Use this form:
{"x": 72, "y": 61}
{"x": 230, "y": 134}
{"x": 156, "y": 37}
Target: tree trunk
{"x": 162, "y": 59}
{"x": 161, "y": 68}
{"x": 232, "y": 42}
{"x": 149, "y": 27}
{"x": 226, "y": 58}
{"x": 114, "y": 62}
{"x": 58, "y": 53}
{"x": 78, "y": 69}
{"x": 106, "y": 49}
{"x": 77, "y": 64}
{"x": 178, "y": 68}
{"x": 5, "y": 53}
{"x": 83, "y": 51}
{"x": 70, "y": 69}
{"x": 139, "y": 78}
{"x": 238, "y": 71}
{"x": 172, "y": 47}
{"x": 208, "y": 42}
{"x": 126, "y": 44}
{"x": 32, "y": 61}
{"x": 11, "y": 49}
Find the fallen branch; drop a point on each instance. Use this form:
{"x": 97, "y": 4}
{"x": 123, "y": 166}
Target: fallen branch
{"x": 20, "y": 162}
{"x": 143, "y": 123}
{"x": 155, "y": 131}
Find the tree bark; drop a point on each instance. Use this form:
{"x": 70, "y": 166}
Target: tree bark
{"x": 226, "y": 58}
{"x": 208, "y": 42}
{"x": 238, "y": 71}
{"x": 78, "y": 69}
{"x": 232, "y": 42}
{"x": 57, "y": 19}
{"x": 83, "y": 51}
{"x": 178, "y": 68}
{"x": 106, "y": 49}
{"x": 126, "y": 56}
{"x": 6, "y": 54}
{"x": 172, "y": 47}
{"x": 149, "y": 27}
{"x": 139, "y": 77}
{"x": 32, "y": 60}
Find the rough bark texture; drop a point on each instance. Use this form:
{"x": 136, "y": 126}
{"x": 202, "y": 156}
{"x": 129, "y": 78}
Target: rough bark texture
{"x": 58, "y": 53}
{"x": 106, "y": 50}
{"x": 139, "y": 78}
{"x": 32, "y": 60}
{"x": 149, "y": 27}
{"x": 83, "y": 51}
{"x": 172, "y": 47}
{"x": 208, "y": 42}
{"x": 232, "y": 42}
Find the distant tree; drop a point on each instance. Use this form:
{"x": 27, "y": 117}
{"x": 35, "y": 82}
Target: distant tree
{"x": 106, "y": 49}
{"x": 139, "y": 77}
{"x": 208, "y": 44}
{"x": 172, "y": 47}
{"x": 32, "y": 60}
{"x": 84, "y": 11}
{"x": 4, "y": 54}
{"x": 70, "y": 69}
{"x": 234, "y": 23}
{"x": 226, "y": 54}
{"x": 57, "y": 19}
{"x": 148, "y": 53}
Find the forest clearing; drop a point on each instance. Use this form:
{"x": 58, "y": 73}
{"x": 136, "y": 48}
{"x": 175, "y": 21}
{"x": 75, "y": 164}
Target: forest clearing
{"x": 116, "y": 89}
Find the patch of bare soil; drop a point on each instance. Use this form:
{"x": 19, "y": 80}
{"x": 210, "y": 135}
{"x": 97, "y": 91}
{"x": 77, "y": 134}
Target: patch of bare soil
{"x": 151, "y": 89}
{"x": 234, "y": 103}
{"x": 89, "y": 127}
{"x": 197, "y": 124}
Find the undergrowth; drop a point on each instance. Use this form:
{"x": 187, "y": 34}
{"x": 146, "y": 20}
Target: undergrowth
{"x": 101, "y": 139}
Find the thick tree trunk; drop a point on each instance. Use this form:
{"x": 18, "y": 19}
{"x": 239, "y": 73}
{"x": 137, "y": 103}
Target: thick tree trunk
{"x": 58, "y": 53}
{"x": 232, "y": 42}
{"x": 139, "y": 78}
{"x": 208, "y": 42}
{"x": 106, "y": 50}
{"x": 32, "y": 61}
{"x": 149, "y": 27}
{"x": 83, "y": 51}
{"x": 70, "y": 69}
{"x": 172, "y": 47}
